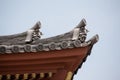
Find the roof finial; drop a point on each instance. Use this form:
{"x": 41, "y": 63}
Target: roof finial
{"x": 79, "y": 31}
{"x": 33, "y": 33}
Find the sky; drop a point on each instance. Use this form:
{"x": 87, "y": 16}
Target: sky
{"x": 60, "y": 16}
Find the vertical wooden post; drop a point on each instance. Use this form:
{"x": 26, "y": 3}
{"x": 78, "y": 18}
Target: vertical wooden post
{"x": 69, "y": 76}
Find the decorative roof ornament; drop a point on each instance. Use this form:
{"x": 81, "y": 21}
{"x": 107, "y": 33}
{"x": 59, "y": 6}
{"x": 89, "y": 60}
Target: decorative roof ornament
{"x": 79, "y": 32}
{"x": 33, "y": 33}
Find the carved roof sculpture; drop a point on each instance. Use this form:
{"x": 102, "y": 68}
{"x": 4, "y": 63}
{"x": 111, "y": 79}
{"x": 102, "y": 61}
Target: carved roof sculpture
{"x": 27, "y": 56}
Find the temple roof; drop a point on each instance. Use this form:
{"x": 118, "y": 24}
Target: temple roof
{"x": 54, "y": 58}
{"x": 17, "y": 42}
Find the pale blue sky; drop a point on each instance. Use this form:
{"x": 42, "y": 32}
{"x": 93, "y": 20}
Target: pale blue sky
{"x": 60, "y": 16}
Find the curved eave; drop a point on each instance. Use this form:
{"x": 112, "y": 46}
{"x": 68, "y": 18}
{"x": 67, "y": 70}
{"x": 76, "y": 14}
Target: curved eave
{"x": 90, "y": 42}
{"x": 52, "y": 61}
{"x": 49, "y": 46}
